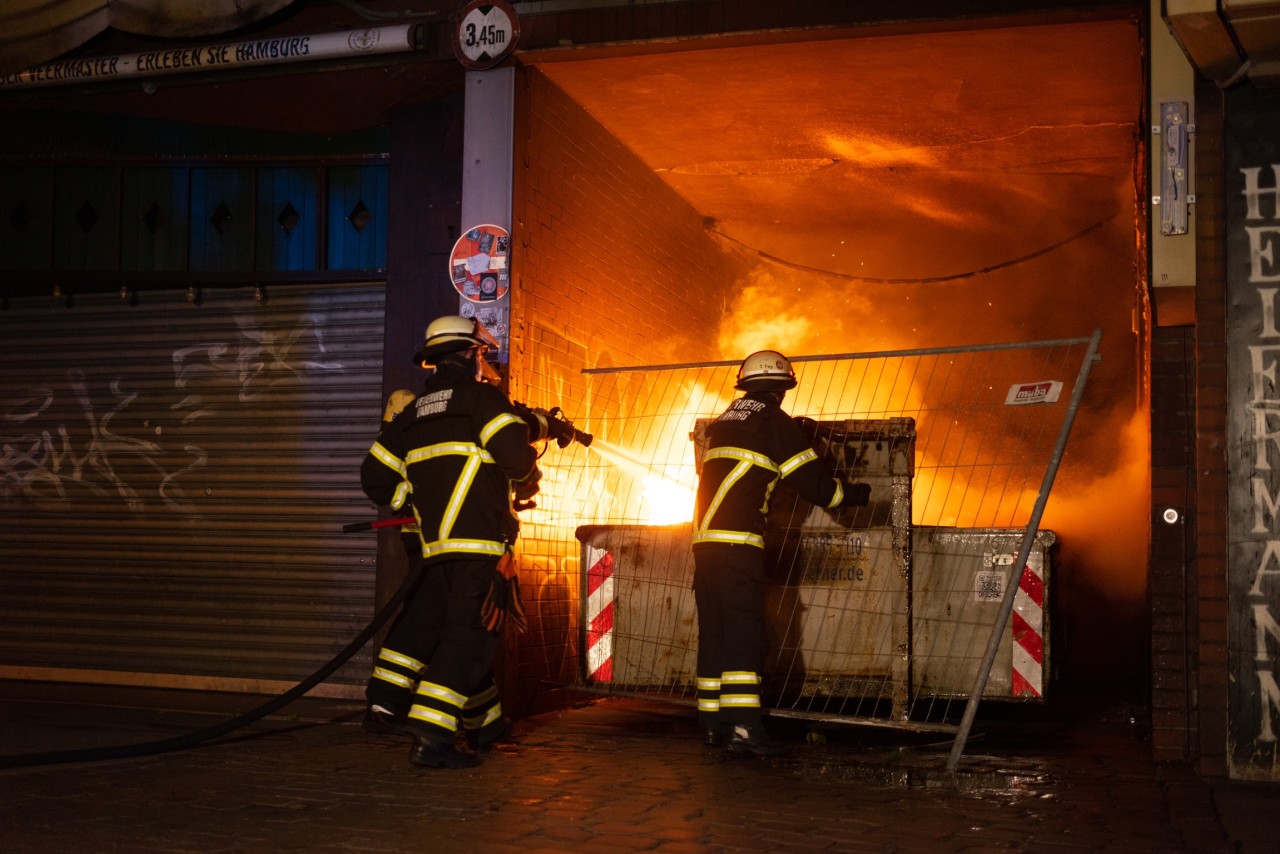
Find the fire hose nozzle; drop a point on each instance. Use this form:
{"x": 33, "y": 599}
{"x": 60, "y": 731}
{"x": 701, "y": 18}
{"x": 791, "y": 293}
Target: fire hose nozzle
{"x": 574, "y": 435}
{"x": 562, "y": 430}
{"x": 551, "y": 424}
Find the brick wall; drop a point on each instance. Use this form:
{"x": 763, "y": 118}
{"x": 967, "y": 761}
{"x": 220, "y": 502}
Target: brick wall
{"x": 1209, "y": 727}
{"x": 1189, "y": 615}
{"x": 1172, "y": 585}
{"x": 609, "y": 268}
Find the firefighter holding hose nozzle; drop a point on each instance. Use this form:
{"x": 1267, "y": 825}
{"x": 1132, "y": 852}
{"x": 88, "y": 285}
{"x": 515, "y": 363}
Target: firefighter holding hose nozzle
{"x": 547, "y": 424}
{"x": 460, "y": 455}
{"x": 415, "y": 633}
{"x": 750, "y": 447}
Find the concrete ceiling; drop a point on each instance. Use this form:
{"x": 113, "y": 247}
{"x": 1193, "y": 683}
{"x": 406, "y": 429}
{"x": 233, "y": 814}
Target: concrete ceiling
{"x": 900, "y": 158}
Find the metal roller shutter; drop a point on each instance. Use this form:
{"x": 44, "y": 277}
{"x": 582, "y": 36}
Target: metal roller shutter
{"x": 174, "y": 477}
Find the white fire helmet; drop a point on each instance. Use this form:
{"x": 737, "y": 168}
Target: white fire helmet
{"x": 766, "y": 370}
{"x": 451, "y": 334}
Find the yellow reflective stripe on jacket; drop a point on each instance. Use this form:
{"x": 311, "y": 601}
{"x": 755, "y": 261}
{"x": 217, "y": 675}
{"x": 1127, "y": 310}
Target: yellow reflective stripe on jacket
{"x": 725, "y": 485}
{"x": 401, "y": 495}
{"x": 445, "y": 449}
{"x": 475, "y": 457}
{"x": 798, "y": 460}
{"x": 743, "y": 454}
{"x": 746, "y": 460}
{"x": 497, "y": 424}
{"x": 543, "y": 426}
{"x": 387, "y": 458}
{"x": 460, "y": 490}
{"x": 838, "y": 498}
{"x": 471, "y": 547}
{"x": 735, "y": 538}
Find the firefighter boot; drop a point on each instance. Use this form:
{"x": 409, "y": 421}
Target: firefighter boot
{"x": 713, "y": 734}
{"x": 751, "y": 739}
{"x": 440, "y": 754}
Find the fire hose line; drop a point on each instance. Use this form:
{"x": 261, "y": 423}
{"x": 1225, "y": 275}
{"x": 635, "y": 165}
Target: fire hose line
{"x": 191, "y": 739}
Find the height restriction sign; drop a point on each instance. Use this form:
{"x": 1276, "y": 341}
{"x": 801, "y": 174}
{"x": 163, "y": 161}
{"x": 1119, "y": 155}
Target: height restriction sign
{"x": 486, "y": 33}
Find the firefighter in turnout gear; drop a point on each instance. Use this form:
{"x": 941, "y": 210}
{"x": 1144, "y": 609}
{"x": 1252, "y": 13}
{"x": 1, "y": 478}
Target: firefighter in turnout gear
{"x": 460, "y": 453}
{"x": 415, "y": 634}
{"x": 750, "y": 447}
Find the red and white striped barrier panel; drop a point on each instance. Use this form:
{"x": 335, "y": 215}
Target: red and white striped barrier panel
{"x": 1028, "y": 632}
{"x": 599, "y": 615}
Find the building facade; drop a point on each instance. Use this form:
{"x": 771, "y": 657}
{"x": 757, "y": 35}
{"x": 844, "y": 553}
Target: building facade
{"x": 219, "y": 250}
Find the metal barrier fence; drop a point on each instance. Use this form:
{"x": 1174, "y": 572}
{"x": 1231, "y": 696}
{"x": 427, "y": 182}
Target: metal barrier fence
{"x": 896, "y": 614}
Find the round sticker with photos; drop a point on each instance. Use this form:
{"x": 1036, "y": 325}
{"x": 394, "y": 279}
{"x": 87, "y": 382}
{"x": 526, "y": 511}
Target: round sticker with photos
{"x": 478, "y": 265}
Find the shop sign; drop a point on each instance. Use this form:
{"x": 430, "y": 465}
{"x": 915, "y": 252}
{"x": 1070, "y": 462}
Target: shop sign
{"x": 1252, "y": 193}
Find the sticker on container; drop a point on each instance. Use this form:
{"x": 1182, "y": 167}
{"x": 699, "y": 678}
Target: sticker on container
{"x": 988, "y": 586}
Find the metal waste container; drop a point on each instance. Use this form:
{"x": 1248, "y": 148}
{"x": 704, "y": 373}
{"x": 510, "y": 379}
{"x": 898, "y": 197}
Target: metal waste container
{"x": 859, "y": 602}
{"x": 960, "y": 576}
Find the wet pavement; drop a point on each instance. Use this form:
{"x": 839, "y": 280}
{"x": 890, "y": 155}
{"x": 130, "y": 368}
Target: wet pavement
{"x": 603, "y": 775}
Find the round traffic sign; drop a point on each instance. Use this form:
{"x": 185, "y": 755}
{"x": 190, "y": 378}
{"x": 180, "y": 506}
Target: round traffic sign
{"x": 487, "y": 31}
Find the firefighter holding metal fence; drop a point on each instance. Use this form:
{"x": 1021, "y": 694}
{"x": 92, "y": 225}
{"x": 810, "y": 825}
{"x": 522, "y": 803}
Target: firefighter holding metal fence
{"x": 460, "y": 455}
{"x": 750, "y": 447}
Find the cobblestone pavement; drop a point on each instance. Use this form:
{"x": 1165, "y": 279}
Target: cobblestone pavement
{"x": 609, "y": 775}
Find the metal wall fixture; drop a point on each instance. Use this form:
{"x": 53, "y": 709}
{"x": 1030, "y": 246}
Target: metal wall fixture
{"x": 1175, "y": 148}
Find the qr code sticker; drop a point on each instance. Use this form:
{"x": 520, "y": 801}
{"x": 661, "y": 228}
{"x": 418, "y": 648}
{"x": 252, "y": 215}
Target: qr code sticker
{"x": 988, "y": 586}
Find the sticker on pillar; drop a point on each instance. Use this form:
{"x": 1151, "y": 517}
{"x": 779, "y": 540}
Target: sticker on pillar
{"x": 494, "y": 318}
{"x": 486, "y": 33}
{"x": 478, "y": 264}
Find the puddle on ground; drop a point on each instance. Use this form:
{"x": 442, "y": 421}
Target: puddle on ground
{"x": 909, "y": 770}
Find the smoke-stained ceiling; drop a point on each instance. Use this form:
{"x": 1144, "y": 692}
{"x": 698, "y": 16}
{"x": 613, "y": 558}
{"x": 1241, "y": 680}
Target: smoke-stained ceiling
{"x": 908, "y": 158}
